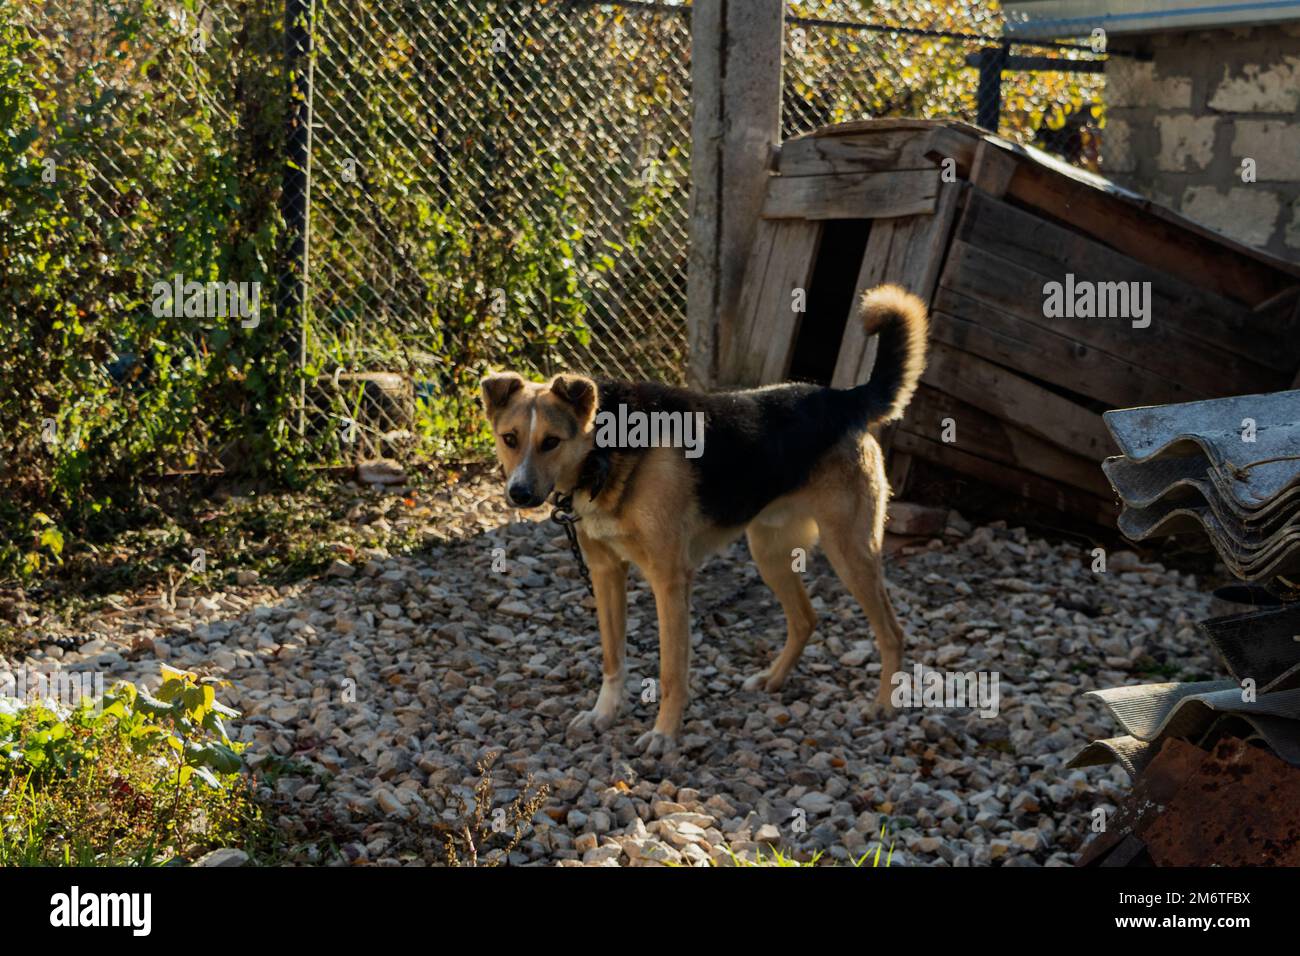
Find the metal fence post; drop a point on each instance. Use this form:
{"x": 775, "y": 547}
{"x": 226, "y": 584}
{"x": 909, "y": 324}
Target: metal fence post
{"x": 736, "y": 48}
{"x": 992, "y": 61}
{"x": 295, "y": 199}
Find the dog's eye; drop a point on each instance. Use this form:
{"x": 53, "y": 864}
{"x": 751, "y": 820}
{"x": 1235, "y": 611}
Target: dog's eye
{"x": 550, "y": 442}
{"x": 510, "y": 440}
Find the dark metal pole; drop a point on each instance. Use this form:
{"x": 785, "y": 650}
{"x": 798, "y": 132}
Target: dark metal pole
{"x": 992, "y": 61}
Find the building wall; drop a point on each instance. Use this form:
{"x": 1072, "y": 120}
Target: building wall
{"x": 1179, "y": 127}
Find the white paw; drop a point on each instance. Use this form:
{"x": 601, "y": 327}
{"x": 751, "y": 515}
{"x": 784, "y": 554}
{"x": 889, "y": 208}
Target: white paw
{"x": 589, "y": 723}
{"x": 654, "y": 743}
{"x": 763, "y": 680}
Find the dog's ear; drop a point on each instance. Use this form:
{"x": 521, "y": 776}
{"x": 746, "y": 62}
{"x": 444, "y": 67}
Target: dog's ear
{"x": 579, "y": 394}
{"x": 497, "y": 389}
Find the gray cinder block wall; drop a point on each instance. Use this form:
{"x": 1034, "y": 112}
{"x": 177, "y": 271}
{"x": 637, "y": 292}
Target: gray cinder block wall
{"x": 1179, "y": 127}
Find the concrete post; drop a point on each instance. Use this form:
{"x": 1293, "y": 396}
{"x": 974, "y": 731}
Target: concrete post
{"x": 736, "y": 117}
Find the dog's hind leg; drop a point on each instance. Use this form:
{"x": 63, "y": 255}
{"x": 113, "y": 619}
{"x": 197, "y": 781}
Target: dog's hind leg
{"x": 609, "y": 581}
{"x": 773, "y": 548}
{"x": 852, "y": 520}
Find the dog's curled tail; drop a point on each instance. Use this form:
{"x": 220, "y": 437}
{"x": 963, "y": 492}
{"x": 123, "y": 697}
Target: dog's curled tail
{"x": 898, "y": 318}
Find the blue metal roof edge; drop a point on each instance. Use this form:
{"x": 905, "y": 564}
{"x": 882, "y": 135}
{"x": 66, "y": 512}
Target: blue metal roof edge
{"x": 1079, "y": 26}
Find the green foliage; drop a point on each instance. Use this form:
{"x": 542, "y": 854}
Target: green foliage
{"x": 140, "y": 779}
{"x": 126, "y": 158}
{"x": 473, "y": 234}
{"x": 483, "y": 184}
{"x": 775, "y": 858}
{"x": 843, "y": 75}
{"x": 493, "y": 184}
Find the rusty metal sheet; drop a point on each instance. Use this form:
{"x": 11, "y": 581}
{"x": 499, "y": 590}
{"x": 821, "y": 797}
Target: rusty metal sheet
{"x": 1262, "y": 645}
{"x": 1159, "y": 781}
{"x": 1252, "y": 473}
{"x": 1237, "y": 807}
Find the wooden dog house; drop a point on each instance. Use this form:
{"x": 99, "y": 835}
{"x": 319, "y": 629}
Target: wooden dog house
{"x": 978, "y": 227}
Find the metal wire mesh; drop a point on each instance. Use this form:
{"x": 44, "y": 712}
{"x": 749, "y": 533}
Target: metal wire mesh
{"x": 492, "y": 182}
{"x": 151, "y": 108}
{"x": 522, "y": 166}
{"x": 837, "y": 71}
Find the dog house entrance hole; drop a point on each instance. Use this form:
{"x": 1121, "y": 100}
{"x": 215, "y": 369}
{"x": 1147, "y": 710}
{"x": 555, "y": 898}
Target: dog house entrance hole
{"x": 829, "y": 299}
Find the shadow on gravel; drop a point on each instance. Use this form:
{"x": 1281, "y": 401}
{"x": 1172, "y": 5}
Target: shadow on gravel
{"x": 371, "y": 700}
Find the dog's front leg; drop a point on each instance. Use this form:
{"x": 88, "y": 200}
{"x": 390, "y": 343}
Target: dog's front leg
{"x": 672, "y": 590}
{"x": 609, "y": 581}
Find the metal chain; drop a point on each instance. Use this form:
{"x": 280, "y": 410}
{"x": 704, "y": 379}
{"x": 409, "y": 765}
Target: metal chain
{"x": 564, "y": 515}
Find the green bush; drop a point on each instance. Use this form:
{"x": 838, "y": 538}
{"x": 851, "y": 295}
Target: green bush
{"x": 136, "y": 145}
{"x": 127, "y": 158}
{"x": 139, "y": 779}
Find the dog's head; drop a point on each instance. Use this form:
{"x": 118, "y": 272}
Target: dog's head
{"x": 543, "y": 432}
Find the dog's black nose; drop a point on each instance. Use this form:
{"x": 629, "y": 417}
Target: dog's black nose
{"x": 522, "y": 495}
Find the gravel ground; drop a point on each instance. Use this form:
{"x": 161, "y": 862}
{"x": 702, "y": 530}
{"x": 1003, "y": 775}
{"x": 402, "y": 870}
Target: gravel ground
{"x": 370, "y": 696}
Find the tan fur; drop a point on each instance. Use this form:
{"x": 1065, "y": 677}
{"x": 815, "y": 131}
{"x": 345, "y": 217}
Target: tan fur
{"x": 883, "y": 302}
{"x": 528, "y": 413}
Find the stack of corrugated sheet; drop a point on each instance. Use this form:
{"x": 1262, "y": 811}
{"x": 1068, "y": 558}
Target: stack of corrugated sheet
{"x": 1230, "y": 468}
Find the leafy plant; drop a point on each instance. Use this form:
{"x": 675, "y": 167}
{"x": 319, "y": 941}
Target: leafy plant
{"x": 114, "y": 176}
{"x": 137, "y": 778}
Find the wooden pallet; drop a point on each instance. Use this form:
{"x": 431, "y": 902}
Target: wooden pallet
{"x": 977, "y": 226}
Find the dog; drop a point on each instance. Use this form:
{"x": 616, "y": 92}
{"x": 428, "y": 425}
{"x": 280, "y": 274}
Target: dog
{"x": 785, "y": 464}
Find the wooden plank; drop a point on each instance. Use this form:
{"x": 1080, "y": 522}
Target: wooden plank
{"x": 1010, "y": 398}
{"x": 910, "y": 252}
{"x": 1196, "y": 256}
{"x": 1159, "y": 348}
{"x": 1150, "y": 232}
{"x": 916, "y": 262}
{"x": 953, "y": 144}
{"x": 1029, "y": 486}
{"x": 908, "y": 192}
{"x": 1052, "y": 251}
{"x": 733, "y": 343}
{"x": 982, "y": 330}
{"x": 1088, "y": 186}
{"x": 980, "y": 433}
{"x": 870, "y": 274}
{"x": 866, "y": 153}
{"x": 885, "y": 124}
{"x": 775, "y": 323}
{"x": 992, "y": 168}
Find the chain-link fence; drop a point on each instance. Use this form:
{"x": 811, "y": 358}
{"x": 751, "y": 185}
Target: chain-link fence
{"x": 430, "y": 189}
{"x": 523, "y": 167}
{"x": 847, "y": 60}
{"x": 494, "y": 182}
{"x": 142, "y": 144}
